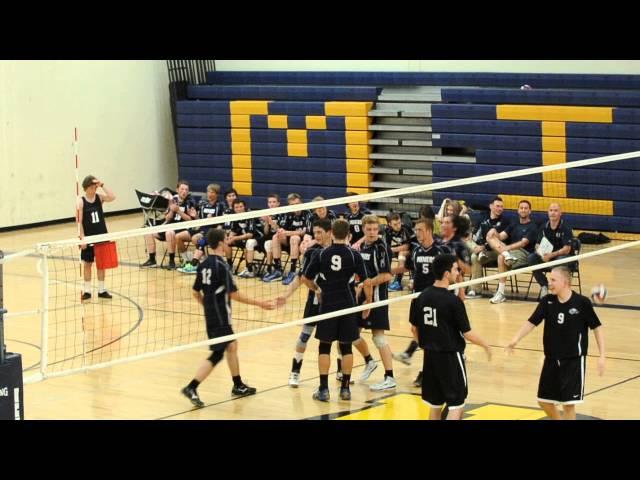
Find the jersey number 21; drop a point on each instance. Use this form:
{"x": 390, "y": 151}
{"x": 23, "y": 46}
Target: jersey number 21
{"x": 430, "y": 316}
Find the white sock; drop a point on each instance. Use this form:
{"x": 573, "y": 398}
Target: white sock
{"x": 298, "y": 356}
{"x": 87, "y": 286}
{"x": 101, "y": 287}
{"x": 501, "y": 288}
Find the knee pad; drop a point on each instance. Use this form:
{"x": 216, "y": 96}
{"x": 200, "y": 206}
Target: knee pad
{"x": 345, "y": 348}
{"x": 379, "y": 340}
{"x": 324, "y": 348}
{"x": 202, "y": 242}
{"x": 304, "y": 337}
{"x": 267, "y": 245}
{"x": 215, "y": 357}
{"x": 251, "y": 244}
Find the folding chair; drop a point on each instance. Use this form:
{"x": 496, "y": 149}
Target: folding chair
{"x": 153, "y": 207}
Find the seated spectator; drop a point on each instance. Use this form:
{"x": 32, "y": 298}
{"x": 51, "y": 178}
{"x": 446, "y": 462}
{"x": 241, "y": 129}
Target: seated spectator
{"x": 317, "y": 214}
{"x": 399, "y": 237}
{"x": 521, "y": 239}
{"x": 272, "y": 223}
{"x": 247, "y": 234}
{"x": 181, "y": 209}
{"x": 290, "y": 234}
{"x": 354, "y": 216}
{"x": 553, "y": 243}
{"x": 208, "y": 207}
{"x": 482, "y": 253}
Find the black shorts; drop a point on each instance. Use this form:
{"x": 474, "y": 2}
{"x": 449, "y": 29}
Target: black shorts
{"x": 378, "y": 319}
{"x": 311, "y": 310}
{"x": 444, "y": 379}
{"x": 216, "y": 331}
{"x": 88, "y": 255}
{"x": 562, "y": 381}
{"x": 344, "y": 329}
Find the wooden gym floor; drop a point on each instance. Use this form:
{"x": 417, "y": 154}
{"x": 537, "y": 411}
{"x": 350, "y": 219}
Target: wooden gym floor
{"x": 149, "y": 389}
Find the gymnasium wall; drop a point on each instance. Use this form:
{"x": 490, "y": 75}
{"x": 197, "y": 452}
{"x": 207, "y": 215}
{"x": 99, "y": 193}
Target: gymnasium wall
{"x": 122, "y": 112}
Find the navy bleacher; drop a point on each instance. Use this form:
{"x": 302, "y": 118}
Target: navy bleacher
{"x": 496, "y": 124}
{"x": 480, "y": 79}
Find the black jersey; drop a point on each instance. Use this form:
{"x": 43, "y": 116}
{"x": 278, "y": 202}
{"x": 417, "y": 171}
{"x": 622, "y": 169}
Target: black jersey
{"x": 293, "y": 222}
{"x": 311, "y": 307}
{"x": 457, "y": 247}
{"x": 335, "y": 268}
{"x": 419, "y": 262}
{"x": 566, "y": 325}
{"x": 394, "y": 239}
{"x": 93, "y": 222}
{"x": 559, "y": 237}
{"x": 519, "y": 231}
{"x": 355, "y": 224}
{"x": 441, "y": 320}
{"x": 331, "y": 215}
{"x": 500, "y": 223}
{"x": 184, "y": 206}
{"x": 377, "y": 259}
{"x": 248, "y": 225}
{"x": 207, "y": 209}
{"x": 279, "y": 219}
{"x": 214, "y": 280}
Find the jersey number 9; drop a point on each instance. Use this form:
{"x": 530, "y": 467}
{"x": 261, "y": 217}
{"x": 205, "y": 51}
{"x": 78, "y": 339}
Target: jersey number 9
{"x": 336, "y": 263}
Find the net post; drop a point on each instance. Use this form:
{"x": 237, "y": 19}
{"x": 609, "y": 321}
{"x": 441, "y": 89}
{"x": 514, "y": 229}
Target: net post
{"x": 44, "y": 314}
{"x": 2, "y": 313}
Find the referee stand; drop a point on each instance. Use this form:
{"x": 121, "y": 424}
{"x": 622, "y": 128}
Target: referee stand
{"x": 11, "y": 389}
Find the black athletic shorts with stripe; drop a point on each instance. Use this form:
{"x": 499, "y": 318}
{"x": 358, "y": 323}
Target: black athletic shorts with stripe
{"x": 444, "y": 379}
{"x": 562, "y": 381}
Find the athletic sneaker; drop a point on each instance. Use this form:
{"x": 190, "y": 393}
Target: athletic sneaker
{"x": 345, "y": 393}
{"x": 289, "y": 278}
{"x": 86, "y": 296}
{"x": 482, "y": 255}
{"x": 171, "y": 266}
{"x": 272, "y": 276}
{"x": 472, "y": 294}
{"x": 403, "y": 357}
{"x": 395, "y": 286}
{"x": 105, "y": 294}
{"x": 246, "y": 274}
{"x": 192, "y": 395}
{"x": 418, "y": 381}
{"x": 322, "y": 394}
{"x": 509, "y": 259}
{"x": 149, "y": 264}
{"x": 294, "y": 379}
{"x": 339, "y": 378}
{"x": 188, "y": 268}
{"x": 242, "y": 390}
{"x": 368, "y": 370}
{"x": 498, "y": 298}
{"x": 387, "y": 384}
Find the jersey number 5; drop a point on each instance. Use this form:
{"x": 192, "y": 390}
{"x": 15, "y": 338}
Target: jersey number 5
{"x": 430, "y": 316}
{"x": 336, "y": 263}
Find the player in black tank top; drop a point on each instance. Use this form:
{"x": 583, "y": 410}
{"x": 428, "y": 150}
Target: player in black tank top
{"x": 91, "y": 221}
